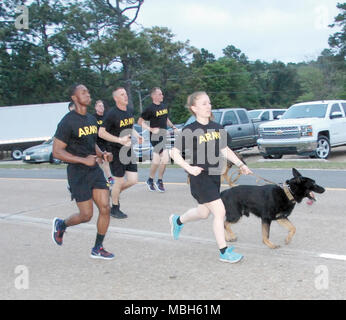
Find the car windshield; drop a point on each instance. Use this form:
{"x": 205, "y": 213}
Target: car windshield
{"x": 48, "y": 141}
{"x": 216, "y": 114}
{"x": 254, "y": 114}
{"x": 306, "y": 111}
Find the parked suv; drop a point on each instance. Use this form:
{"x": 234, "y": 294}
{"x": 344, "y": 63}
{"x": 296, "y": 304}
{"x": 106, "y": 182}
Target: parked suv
{"x": 309, "y": 128}
{"x": 238, "y": 124}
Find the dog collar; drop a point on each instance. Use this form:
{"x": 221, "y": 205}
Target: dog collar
{"x": 289, "y": 193}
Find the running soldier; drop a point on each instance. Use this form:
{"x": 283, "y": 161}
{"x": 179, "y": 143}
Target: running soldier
{"x": 75, "y": 143}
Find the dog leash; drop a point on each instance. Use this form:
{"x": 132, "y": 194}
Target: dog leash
{"x": 285, "y": 187}
{"x": 265, "y": 180}
{"x": 258, "y": 178}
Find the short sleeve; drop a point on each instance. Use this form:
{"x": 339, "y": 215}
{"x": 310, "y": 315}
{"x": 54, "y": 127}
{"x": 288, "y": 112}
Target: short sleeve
{"x": 63, "y": 131}
{"x": 108, "y": 121}
{"x": 147, "y": 114}
{"x": 225, "y": 140}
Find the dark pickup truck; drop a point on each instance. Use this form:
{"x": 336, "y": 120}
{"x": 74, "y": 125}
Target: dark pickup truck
{"x": 238, "y": 124}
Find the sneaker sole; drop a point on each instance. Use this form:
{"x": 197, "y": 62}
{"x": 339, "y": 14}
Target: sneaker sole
{"x": 118, "y": 217}
{"x": 53, "y": 231}
{"x": 100, "y": 257}
{"x": 229, "y": 261}
{"x": 157, "y": 188}
{"x": 150, "y": 189}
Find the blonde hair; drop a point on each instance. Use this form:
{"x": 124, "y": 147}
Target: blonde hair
{"x": 191, "y": 100}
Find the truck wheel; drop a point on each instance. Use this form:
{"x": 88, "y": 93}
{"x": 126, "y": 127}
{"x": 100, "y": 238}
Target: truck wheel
{"x": 323, "y": 147}
{"x": 17, "y": 154}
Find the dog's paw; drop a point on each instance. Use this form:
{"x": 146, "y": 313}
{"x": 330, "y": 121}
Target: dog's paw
{"x": 271, "y": 245}
{"x": 230, "y": 238}
{"x": 288, "y": 240}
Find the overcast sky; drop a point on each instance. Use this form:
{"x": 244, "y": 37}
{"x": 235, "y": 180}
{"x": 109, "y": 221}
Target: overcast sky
{"x": 289, "y": 31}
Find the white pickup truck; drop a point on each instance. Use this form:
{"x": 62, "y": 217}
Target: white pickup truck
{"x": 309, "y": 128}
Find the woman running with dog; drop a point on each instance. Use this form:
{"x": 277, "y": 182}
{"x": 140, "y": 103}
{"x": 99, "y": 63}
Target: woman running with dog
{"x": 206, "y": 142}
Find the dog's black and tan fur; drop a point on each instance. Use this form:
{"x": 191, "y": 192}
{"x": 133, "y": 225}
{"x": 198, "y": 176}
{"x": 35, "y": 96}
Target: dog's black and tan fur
{"x": 269, "y": 202}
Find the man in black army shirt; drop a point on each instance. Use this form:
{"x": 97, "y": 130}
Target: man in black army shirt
{"x": 117, "y": 129}
{"x": 157, "y": 116}
{"x": 75, "y": 143}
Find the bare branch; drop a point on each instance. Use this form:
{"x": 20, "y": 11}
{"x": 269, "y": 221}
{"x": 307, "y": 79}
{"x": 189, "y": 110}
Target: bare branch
{"x": 136, "y": 15}
{"x": 129, "y": 8}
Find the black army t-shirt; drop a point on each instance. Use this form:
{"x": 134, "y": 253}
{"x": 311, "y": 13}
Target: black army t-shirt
{"x": 118, "y": 123}
{"x": 157, "y": 115}
{"x": 203, "y": 144}
{"x": 79, "y": 132}
{"x": 100, "y": 142}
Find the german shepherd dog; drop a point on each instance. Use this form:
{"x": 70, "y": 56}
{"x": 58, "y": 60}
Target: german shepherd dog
{"x": 268, "y": 202}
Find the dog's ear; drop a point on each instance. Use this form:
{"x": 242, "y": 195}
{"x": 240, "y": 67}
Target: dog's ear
{"x": 296, "y": 173}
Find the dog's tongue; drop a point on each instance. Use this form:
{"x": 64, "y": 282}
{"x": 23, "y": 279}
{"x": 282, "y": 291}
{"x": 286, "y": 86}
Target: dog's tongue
{"x": 312, "y": 198}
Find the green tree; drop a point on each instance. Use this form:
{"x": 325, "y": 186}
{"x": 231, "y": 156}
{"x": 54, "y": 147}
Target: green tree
{"x": 200, "y": 58}
{"x": 167, "y": 68}
{"x": 235, "y": 53}
{"x": 29, "y": 53}
{"x": 116, "y": 26}
{"x": 227, "y": 82}
{"x": 277, "y": 85}
{"x": 312, "y": 84}
{"x": 337, "y": 41}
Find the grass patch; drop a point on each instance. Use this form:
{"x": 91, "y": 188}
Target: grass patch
{"x": 32, "y": 166}
{"x": 298, "y": 164}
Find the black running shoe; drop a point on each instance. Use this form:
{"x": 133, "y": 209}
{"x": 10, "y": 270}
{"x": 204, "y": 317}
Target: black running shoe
{"x": 116, "y": 213}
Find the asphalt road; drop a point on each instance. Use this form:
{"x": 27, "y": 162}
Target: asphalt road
{"x": 326, "y": 178}
{"x": 149, "y": 264}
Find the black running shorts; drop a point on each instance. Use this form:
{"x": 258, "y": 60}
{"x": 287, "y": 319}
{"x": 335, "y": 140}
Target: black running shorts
{"x": 205, "y": 188}
{"x": 159, "y": 145}
{"x": 119, "y": 166}
{"x": 83, "y": 179}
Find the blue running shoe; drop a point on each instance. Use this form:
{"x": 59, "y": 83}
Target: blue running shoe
{"x": 150, "y": 184}
{"x": 230, "y": 256}
{"x": 58, "y": 231}
{"x": 175, "y": 227}
{"x": 159, "y": 186}
{"x": 100, "y": 253}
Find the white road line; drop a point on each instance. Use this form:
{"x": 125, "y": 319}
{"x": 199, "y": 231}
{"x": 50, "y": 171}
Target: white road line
{"x": 138, "y": 233}
{"x": 333, "y": 256}
{"x": 141, "y": 182}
